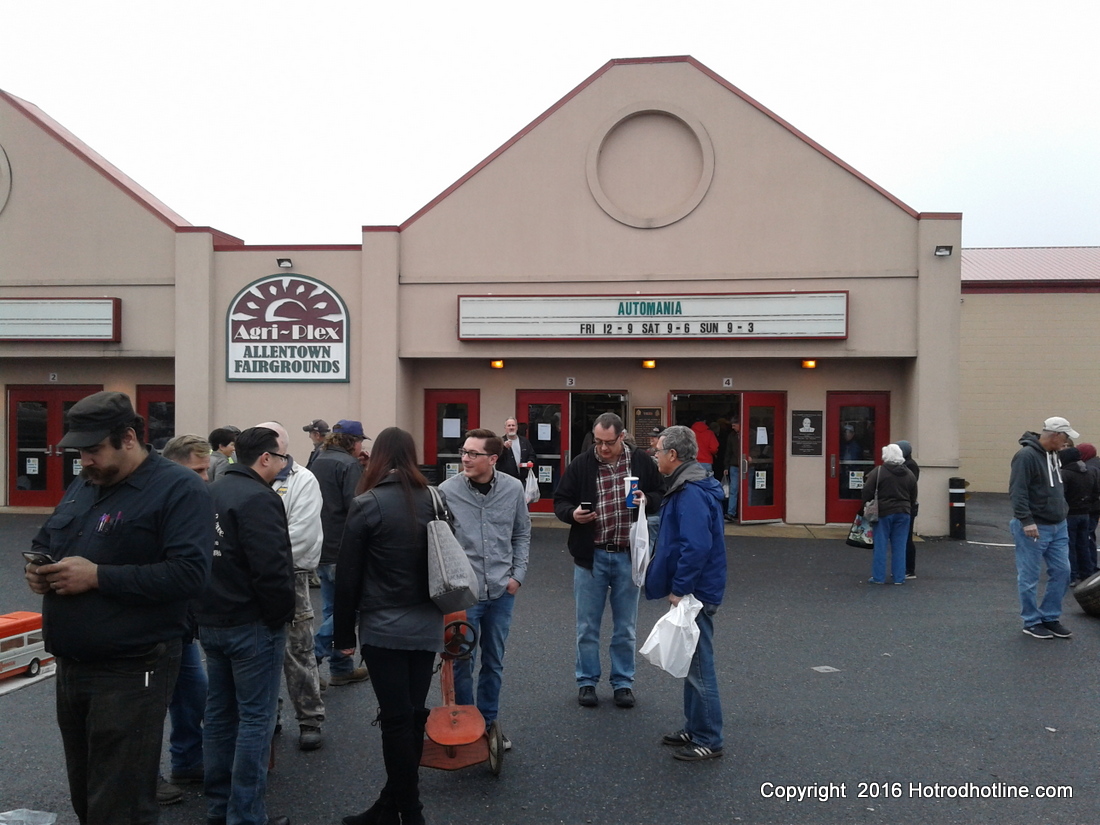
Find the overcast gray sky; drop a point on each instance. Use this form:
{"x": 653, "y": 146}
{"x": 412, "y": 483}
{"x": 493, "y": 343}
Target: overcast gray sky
{"x": 287, "y": 123}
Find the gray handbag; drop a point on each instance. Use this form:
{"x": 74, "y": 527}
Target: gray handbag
{"x": 451, "y": 582}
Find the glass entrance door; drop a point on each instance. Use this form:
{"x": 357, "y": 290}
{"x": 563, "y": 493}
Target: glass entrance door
{"x": 448, "y": 414}
{"x": 763, "y": 456}
{"x": 38, "y": 469}
{"x": 857, "y": 427}
{"x": 541, "y": 411}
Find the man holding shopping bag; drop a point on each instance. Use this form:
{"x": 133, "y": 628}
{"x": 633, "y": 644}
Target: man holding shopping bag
{"x": 691, "y": 559}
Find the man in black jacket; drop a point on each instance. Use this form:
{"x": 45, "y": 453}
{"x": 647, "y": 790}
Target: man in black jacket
{"x": 242, "y": 621}
{"x": 591, "y": 498}
{"x": 1038, "y": 527}
{"x": 132, "y": 539}
{"x": 338, "y": 470}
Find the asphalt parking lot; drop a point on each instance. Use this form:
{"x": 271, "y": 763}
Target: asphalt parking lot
{"x": 932, "y": 706}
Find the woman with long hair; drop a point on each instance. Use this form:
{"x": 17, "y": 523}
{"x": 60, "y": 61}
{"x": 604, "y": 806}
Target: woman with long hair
{"x": 382, "y": 575}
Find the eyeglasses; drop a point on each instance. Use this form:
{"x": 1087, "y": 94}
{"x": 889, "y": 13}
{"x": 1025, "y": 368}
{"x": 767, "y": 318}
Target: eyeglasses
{"x": 278, "y": 455}
{"x": 471, "y": 453}
{"x": 601, "y": 443}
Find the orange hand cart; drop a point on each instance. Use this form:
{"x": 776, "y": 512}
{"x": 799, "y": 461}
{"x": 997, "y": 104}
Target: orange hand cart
{"x": 456, "y": 735}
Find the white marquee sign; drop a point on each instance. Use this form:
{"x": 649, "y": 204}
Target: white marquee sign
{"x": 648, "y": 317}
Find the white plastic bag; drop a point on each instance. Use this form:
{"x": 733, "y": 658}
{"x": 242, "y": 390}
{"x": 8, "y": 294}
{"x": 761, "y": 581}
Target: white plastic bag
{"x": 671, "y": 643}
{"x": 531, "y": 491}
{"x": 639, "y": 549}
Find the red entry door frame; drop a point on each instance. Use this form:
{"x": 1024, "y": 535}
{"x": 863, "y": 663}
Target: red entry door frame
{"x": 38, "y": 469}
{"x": 546, "y": 413}
{"x": 763, "y": 489}
{"x": 857, "y": 427}
{"x": 442, "y": 408}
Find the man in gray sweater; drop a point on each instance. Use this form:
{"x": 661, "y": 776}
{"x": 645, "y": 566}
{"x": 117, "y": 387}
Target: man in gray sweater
{"x": 494, "y": 527}
{"x": 1039, "y": 527}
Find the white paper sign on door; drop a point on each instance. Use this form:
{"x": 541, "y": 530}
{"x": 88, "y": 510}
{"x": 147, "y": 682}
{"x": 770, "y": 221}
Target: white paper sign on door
{"x": 452, "y": 427}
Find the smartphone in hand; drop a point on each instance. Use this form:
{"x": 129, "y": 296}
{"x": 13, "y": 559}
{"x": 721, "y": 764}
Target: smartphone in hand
{"x": 39, "y": 559}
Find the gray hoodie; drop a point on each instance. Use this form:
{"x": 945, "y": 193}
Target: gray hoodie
{"x": 1035, "y": 484}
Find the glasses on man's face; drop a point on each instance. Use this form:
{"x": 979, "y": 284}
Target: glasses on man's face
{"x": 278, "y": 455}
{"x": 471, "y": 453}
{"x": 601, "y": 443}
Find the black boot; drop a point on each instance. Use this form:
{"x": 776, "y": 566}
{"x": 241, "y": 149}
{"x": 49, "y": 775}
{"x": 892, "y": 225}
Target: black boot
{"x": 382, "y": 812}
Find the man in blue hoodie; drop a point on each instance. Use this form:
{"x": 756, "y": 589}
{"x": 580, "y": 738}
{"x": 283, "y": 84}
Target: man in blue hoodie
{"x": 691, "y": 558}
{"x": 1039, "y": 526}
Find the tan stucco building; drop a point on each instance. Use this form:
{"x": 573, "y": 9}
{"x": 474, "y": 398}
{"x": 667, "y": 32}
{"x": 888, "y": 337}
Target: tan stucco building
{"x": 654, "y": 214}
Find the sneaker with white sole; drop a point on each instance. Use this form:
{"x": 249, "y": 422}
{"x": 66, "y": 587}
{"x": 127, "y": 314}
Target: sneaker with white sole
{"x": 696, "y": 753}
{"x": 1038, "y": 631}
{"x": 1058, "y": 629}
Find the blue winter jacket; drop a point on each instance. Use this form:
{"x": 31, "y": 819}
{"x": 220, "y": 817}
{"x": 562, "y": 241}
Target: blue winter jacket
{"x": 691, "y": 544}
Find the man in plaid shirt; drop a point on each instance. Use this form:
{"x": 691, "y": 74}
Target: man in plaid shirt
{"x": 591, "y": 498}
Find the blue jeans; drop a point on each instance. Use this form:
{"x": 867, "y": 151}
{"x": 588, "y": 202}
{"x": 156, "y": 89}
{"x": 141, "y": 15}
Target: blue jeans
{"x": 702, "y": 705}
{"x": 245, "y": 667}
{"x": 735, "y": 491}
{"x": 186, "y": 710}
{"x": 1082, "y": 561}
{"x": 1052, "y": 546}
{"x": 893, "y": 530}
{"x": 610, "y": 576}
{"x": 339, "y": 663}
{"x": 492, "y": 619}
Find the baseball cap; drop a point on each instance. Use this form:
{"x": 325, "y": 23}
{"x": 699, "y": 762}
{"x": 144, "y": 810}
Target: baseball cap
{"x": 317, "y": 425}
{"x": 1060, "y": 425}
{"x": 93, "y": 418}
{"x": 352, "y": 428}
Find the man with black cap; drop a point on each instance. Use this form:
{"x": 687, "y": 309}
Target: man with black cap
{"x": 132, "y": 541}
{"x": 338, "y": 470}
{"x": 317, "y": 429}
{"x": 1039, "y": 527}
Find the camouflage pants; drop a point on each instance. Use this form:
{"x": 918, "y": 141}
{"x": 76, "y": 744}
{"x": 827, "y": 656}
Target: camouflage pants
{"x": 300, "y": 665}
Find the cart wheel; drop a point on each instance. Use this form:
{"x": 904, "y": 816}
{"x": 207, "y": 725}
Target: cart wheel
{"x": 33, "y": 668}
{"x": 496, "y": 748}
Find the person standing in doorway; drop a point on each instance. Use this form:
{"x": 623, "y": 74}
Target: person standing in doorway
{"x": 592, "y": 499}
{"x": 896, "y": 490}
{"x": 518, "y": 456}
{"x": 707, "y": 441}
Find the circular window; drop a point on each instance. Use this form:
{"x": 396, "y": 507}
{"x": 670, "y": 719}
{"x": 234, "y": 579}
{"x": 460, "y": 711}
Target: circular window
{"x": 5, "y": 179}
{"x": 650, "y": 165}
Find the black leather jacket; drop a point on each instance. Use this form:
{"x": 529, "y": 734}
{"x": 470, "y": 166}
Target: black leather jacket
{"x": 383, "y": 556}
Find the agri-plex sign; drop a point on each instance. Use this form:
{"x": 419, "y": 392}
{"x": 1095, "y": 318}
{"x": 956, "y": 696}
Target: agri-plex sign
{"x": 287, "y": 328}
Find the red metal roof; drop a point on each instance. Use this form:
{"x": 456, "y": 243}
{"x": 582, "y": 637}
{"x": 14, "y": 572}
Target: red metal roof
{"x": 1039, "y": 263}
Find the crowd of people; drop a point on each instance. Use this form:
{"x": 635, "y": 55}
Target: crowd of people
{"x": 213, "y": 543}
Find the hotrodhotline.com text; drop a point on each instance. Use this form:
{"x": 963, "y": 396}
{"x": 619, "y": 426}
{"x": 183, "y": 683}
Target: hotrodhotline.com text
{"x": 911, "y": 790}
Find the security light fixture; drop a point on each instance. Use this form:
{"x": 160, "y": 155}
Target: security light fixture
{"x": 649, "y": 365}
{"x": 286, "y": 263}
{"x": 809, "y": 364}
{"x": 944, "y": 251}
{"x": 497, "y": 365}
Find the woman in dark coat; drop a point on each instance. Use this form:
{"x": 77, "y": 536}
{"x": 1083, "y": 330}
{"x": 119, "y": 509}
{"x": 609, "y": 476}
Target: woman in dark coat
{"x": 896, "y": 490}
{"x": 382, "y": 575}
